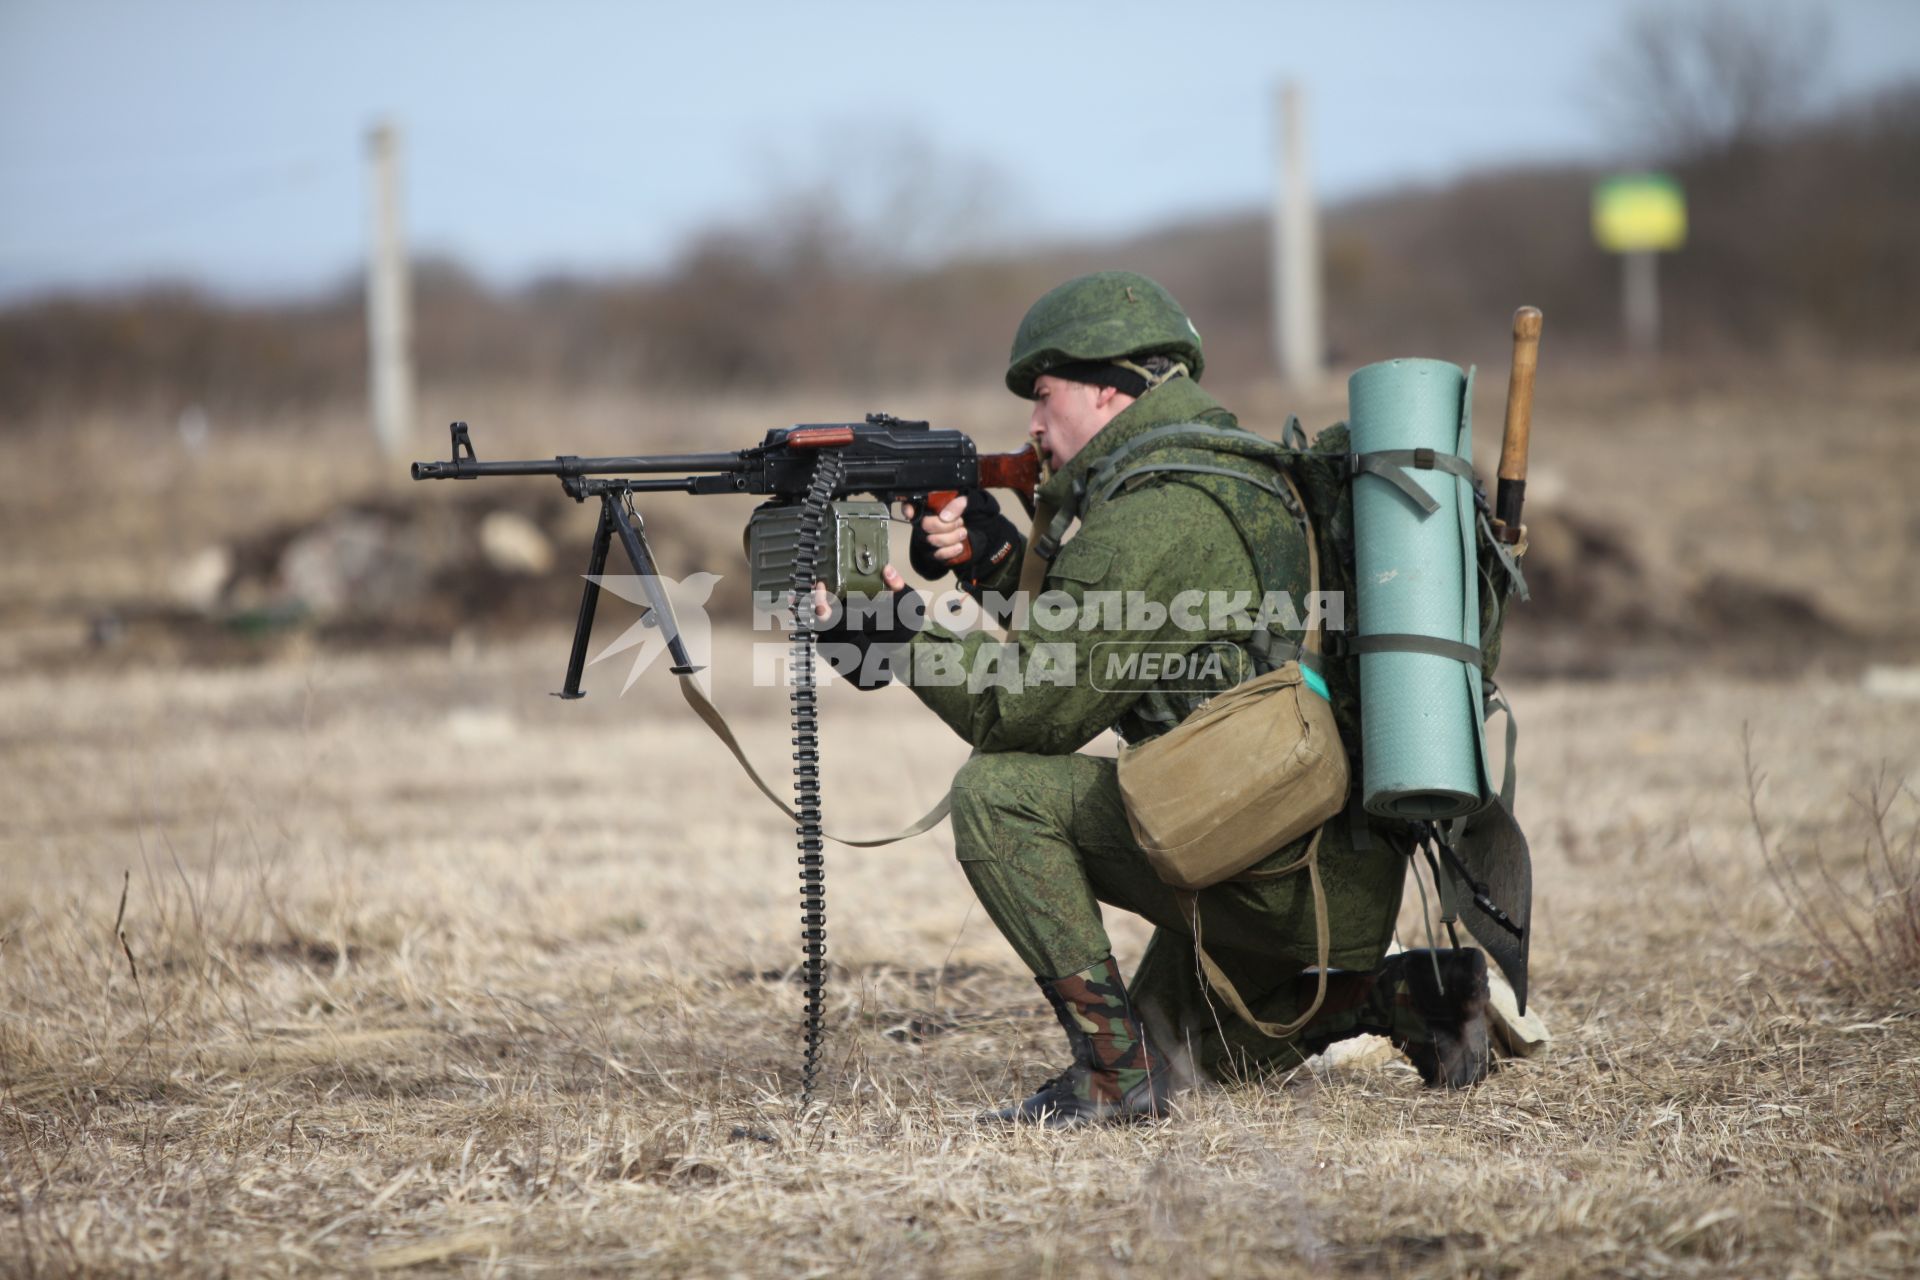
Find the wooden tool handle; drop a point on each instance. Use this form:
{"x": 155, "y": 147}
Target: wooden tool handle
{"x": 1513, "y": 445}
{"x": 1526, "y": 358}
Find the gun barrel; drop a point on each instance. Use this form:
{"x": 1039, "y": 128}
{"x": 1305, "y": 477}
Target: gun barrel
{"x": 639, "y": 464}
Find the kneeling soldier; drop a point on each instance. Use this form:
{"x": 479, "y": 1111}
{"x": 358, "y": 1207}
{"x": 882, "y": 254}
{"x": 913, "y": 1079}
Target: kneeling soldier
{"x": 1110, "y": 361}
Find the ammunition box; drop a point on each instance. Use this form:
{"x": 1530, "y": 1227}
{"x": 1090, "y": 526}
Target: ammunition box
{"x": 853, "y": 548}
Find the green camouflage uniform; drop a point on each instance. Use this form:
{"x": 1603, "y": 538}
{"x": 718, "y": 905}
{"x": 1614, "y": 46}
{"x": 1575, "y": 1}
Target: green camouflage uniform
{"x": 1041, "y": 832}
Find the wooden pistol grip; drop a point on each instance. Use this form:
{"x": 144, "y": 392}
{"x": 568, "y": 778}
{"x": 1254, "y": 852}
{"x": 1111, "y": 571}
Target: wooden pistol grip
{"x": 936, "y": 505}
{"x": 936, "y": 502}
{"x": 1018, "y": 471}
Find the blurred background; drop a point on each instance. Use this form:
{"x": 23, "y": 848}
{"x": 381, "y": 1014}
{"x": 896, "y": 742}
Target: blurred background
{"x": 617, "y": 228}
{"x": 330, "y": 943}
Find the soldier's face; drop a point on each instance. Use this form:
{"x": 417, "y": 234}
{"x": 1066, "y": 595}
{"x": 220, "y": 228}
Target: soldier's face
{"x": 1068, "y": 414}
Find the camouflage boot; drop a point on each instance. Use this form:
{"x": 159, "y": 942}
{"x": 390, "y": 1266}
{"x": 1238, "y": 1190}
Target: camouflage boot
{"x": 1115, "y": 1077}
{"x": 1440, "y": 1025}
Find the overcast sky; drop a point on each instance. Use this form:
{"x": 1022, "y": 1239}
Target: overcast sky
{"x": 223, "y": 142}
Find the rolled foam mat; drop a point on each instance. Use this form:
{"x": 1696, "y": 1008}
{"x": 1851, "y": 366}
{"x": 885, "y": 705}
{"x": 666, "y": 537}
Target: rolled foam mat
{"x": 1422, "y": 748}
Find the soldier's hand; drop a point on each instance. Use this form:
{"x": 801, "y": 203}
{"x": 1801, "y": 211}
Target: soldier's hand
{"x": 860, "y": 643}
{"x": 939, "y": 538}
{"x": 823, "y": 603}
{"x": 968, "y": 536}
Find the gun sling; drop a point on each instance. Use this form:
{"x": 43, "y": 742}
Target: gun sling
{"x": 710, "y": 715}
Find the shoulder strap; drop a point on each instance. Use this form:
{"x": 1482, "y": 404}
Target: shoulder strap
{"x": 1270, "y": 647}
{"x": 1323, "y": 945}
{"x": 1202, "y": 435}
{"x": 1316, "y": 640}
{"x": 1153, "y": 468}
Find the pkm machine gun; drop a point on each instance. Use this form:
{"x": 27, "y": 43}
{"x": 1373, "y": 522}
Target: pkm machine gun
{"x": 893, "y": 460}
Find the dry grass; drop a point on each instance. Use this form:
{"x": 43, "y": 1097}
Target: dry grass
{"x": 387, "y": 961}
{"x": 1861, "y": 910}
{"x": 425, "y": 970}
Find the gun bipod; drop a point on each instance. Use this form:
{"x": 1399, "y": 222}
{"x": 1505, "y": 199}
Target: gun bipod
{"x": 617, "y": 517}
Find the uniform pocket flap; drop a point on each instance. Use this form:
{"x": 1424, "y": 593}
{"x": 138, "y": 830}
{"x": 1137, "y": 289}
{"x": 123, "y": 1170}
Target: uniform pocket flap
{"x": 1082, "y": 561}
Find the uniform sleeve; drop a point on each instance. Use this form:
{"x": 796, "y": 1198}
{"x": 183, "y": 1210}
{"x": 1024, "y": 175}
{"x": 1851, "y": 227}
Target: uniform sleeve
{"x": 1109, "y": 593}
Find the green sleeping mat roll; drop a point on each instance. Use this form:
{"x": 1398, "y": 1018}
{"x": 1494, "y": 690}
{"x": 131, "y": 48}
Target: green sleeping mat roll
{"x": 1417, "y": 615}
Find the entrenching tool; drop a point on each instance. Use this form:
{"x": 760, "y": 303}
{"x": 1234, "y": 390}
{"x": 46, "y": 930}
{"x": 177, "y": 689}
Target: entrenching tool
{"x": 1486, "y": 870}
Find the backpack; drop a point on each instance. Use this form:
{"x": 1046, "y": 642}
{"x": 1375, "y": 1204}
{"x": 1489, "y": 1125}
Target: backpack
{"x": 1323, "y": 472}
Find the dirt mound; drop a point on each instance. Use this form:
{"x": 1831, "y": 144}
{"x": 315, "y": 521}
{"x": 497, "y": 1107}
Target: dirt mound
{"x": 387, "y": 571}
{"x": 496, "y": 562}
{"x": 1599, "y": 608}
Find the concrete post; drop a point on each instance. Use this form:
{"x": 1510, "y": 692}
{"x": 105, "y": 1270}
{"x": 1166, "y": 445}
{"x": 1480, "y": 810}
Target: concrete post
{"x": 1640, "y": 300}
{"x": 389, "y": 325}
{"x": 1300, "y": 342}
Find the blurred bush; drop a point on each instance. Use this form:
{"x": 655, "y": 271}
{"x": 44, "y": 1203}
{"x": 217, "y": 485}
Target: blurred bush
{"x": 1802, "y": 240}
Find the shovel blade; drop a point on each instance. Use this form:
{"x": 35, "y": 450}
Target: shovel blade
{"x": 1494, "y": 851}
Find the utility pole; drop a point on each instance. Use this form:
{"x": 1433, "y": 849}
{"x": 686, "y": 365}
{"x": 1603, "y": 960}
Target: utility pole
{"x": 389, "y": 326}
{"x": 1299, "y": 341}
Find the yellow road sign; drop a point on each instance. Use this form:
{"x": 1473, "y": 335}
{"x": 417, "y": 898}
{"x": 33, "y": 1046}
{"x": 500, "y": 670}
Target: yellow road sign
{"x": 1639, "y": 213}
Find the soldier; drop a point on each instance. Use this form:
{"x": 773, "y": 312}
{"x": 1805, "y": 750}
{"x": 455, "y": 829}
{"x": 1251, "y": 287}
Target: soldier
{"x": 1108, "y": 360}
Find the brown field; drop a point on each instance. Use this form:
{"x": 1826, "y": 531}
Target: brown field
{"x": 320, "y": 956}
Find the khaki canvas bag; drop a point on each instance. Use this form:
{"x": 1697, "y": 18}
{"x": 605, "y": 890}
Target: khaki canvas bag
{"x": 1256, "y": 767}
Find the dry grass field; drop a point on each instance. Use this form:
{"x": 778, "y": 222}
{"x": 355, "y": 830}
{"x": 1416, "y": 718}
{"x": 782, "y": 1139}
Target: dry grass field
{"x": 352, "y": 959}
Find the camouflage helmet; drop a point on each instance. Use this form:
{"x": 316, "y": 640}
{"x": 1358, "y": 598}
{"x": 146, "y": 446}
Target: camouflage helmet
{"x": 1109, "y": 315}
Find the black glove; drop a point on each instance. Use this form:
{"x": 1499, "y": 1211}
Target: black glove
{"x": 871, "y": 631}
{"x": 990, "y": 536}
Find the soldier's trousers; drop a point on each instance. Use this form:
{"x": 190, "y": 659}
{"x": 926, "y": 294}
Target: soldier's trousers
{"x": 1044, "y": 841}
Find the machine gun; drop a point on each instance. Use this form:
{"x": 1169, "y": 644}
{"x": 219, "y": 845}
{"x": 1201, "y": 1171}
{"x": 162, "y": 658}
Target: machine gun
{"x": 811, "y": 529}
{"x": 893, "y": 460}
